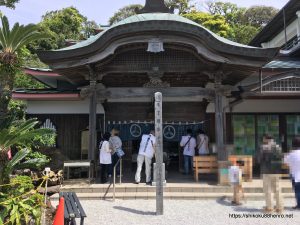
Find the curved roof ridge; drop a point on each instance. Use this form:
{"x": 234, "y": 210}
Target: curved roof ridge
{"x": 154, "y": 17}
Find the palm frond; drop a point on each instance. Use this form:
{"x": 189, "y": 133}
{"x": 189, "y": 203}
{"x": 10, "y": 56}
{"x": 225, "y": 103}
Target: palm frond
{"x": 18, "y": 36}
{"x": 5, "y": 27}
{"x": 15, "y": 160}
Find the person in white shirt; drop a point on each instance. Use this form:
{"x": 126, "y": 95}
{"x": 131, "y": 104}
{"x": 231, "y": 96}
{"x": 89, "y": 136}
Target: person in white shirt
{"x": 105, "y": 157}
{"x": 189, "y": 144}
{"x": 202, "y": 143}
{"x": 235, "y": 178}
{"x": 146, "y": 153}
{"x": 293, "y": 161}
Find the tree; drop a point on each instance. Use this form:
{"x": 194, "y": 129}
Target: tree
{"x": 125, "y": 12}
{"x": 215, "y": 23}
{"x": 244, "y": 33}
{"x": 11, "y": 41}
{"x": 259, "y": 16}
{"x": 9, "y": 3}
{"x": 245, "y": 23}
{"x": 231, "y": 12}
{"x": 183, "y": 6}
{"x": 89, "y": 29}
{"x": 60, "y": 25}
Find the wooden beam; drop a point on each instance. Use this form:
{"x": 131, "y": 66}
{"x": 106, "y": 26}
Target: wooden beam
{"x": 117, "y": 93}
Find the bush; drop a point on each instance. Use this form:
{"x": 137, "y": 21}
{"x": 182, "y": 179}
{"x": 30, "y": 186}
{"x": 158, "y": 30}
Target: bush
{"x": 20, "y": 203}
{"x": 34, "y": 160}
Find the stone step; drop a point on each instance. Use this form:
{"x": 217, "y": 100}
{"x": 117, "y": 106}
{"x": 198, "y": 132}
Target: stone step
{"x": 141, "y": 189}
{"x": 167, "y": 195}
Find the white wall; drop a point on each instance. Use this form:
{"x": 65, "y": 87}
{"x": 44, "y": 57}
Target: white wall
{"x": 279, "y": 39}
{"x": 61, "y": 107}
{"x": 263, "y": 106}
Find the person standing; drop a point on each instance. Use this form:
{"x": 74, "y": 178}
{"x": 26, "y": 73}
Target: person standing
{"x": 189, "y": 144}
{"x": 270, "y": 163}
{"x": 115, "y": 144}
{"x": 105, "y": 158}
{"x": 202, "y": 143}
{"x": 146, "y": 153}
{"x": 235, "y": 177}
{"x": 293, "y": 161}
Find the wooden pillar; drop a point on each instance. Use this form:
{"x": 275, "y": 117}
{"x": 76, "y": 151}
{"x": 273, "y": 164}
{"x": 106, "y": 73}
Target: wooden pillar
{"x": 159, "y": 154}
{"x": 219, "y": 121}
{"x": 92, "y": 120}
{"x": 219, "y": 129}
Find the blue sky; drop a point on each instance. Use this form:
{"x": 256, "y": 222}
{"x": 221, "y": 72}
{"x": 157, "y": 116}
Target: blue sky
{"x": 30, "y": 11}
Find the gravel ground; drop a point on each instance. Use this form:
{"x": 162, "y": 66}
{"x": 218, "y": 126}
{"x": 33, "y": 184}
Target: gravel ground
{"x": 182, "y": 212}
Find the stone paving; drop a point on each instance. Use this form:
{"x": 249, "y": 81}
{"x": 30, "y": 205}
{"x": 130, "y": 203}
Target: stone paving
{"x": 187, "y": 212}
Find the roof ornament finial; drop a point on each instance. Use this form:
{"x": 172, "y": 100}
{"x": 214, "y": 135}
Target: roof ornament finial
{"x": 155, "y": 6}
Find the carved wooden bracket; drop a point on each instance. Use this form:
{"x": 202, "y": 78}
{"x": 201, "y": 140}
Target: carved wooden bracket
{"x": 155, "y": 79}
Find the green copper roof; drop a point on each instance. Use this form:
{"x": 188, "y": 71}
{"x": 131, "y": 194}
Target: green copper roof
{"x": 290, "y": 64}
{"x": 151, "y": 17}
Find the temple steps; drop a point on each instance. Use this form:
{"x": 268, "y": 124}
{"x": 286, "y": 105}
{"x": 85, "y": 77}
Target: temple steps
{"x": 253, "y": 191}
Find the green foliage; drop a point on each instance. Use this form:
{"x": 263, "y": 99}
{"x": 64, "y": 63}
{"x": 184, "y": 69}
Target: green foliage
{"x": 61, "y": 25}
{"x": 23, "y": 133}
{"x": 124, "y": 12}
{"x": 21, "y": 184}
{"x": 34, "y": 160}
{"x": 25, "y": 81}
{"x": 17, "y": 108}
{"x": 215, "y": 23}
{"x": 20, "y": 204}
{"x": 11, "y": 43}
{"x": 231, "y": 12}
{"x": 259, "y": 16}
{"x": 67, "y": 21}
{"x": 183, "y": 6}
{"x": 11, "y": 165}
{"x": 11, "y": 40}
{"x": 244, "y": 33}
{"x": 9, "y": 3}
{"x": 245, "y": 23}
{"x": 89, "y": 28}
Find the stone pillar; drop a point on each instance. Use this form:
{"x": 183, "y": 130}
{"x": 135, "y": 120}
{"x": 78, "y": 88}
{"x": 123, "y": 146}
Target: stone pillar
{"x": 92, "y": 120}
{"x": 159, "y": 154}
{"x": 219, "y": 132}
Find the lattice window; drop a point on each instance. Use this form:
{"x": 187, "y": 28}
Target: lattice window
{"x": 49, "y": 125}
{"x": 291, "y": 84}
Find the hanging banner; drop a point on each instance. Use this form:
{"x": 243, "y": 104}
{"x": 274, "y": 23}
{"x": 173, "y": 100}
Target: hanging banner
{"x": 171, "y": 131}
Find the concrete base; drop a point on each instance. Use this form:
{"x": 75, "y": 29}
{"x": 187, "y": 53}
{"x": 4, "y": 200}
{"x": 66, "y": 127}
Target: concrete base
{"x": 163, "y": 174}
{"x": 223, "y": 172}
